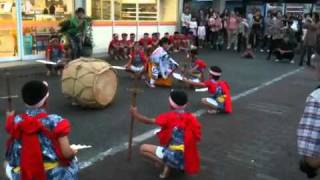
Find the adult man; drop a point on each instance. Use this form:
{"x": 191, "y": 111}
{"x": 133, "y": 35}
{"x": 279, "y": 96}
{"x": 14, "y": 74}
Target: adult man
{"x": 308, "y": 133}
{"x": 76, "y": 31}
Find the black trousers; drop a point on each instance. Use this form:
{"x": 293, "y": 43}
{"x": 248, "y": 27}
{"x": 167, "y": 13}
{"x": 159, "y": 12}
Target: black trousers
{"x": 289, "y": 55}
{"x": 273, "y": 46}
{"x": 213, "y": 36}
{"x": 306, "y": 50}
{"x": 255, "y": 37}
{"x": 242, "y": 42}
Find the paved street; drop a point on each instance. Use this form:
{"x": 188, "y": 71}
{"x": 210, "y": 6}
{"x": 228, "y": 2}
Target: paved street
{"x": 256, "y": 142}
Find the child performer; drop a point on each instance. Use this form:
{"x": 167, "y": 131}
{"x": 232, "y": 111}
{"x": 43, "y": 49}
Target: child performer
{"x": 131, "y": 41}
{"x": 201, "y": 34}
{"x": 55, "y": 53}
{"x": 124, "y": 46}
{"x": 146, "y": 43}
{"x": 170, "y": 41}
{"x": 220, "y": 100}
{"x": 162, "y": 64}
{"x": 114, "y": 47}
{"x": 38, "y": 147}
{"x": 179, "y": 136}
{"x": 155, "y": 40}
{"x": 198, "y": 67}
{"x": 176, "y": 41}
{"x": 138, "y": 62}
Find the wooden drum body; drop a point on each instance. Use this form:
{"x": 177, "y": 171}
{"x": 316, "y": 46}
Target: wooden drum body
{"x": 90, "y": 82}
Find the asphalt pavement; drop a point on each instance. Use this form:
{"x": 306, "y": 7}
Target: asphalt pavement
{"x": 256, "y": 142}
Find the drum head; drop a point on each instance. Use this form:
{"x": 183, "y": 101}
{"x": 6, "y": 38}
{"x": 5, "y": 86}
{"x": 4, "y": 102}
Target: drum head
{"x": 105, "y": 87}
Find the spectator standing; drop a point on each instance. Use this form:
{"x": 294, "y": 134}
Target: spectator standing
{"x": 215, "y": 26}
{"x": 243, "y": 34}
{"x": 201, "y": 34}
{"x": 185, "y": 20}
{"x": 232, "y": 28}
{"x": 276, "y": 33}
{"x": 310, "y": 39}
{"x": 267, "y": 33}
{"x": 256, "y": 30}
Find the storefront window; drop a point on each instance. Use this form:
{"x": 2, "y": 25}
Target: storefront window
{"x": 147, "y": 10}
{"x": 100, "y": 9}
{"x": 168, "y": 10}
{"x": 125, "y": 10}
{"x": 8, "y": 33}
{"x": 40, "y": 21}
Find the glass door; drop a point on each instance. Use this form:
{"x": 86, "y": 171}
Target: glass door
{"x": 40, "y": 19}
{"x": 8, "y": 31}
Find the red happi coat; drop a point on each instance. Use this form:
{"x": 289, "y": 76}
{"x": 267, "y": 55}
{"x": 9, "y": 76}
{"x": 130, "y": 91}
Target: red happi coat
{"x": 192, "y": 135}
{"x": 212, "y": 87}
{"x": 31, "y": 160}
{"x": 142, "y": 56}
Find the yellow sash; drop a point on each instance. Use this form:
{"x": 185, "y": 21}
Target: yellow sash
{"x": 176, "y": 147}
{"x": 47, "y": 166}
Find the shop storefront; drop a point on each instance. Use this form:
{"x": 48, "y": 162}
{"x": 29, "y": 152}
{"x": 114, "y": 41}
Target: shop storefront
{"x": 25, "y": 25}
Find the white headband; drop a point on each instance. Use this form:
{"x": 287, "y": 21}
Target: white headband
{"x": 176, "y": 106}
{"x": 214, "y": 73}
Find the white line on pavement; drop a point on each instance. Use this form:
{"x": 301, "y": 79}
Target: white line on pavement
{"x": 140, "y": 138}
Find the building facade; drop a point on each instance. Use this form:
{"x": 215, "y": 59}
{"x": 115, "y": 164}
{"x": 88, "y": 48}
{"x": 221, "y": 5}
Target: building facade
{"x": 25, "y": 25}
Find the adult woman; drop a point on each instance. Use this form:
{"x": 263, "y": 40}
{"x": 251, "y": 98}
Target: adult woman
{"x": 232, "y": 29}
{"x": 215, "y": 26}
{"x": 256, "y": 29}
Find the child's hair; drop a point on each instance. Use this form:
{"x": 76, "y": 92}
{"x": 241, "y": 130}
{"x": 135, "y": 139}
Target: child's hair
{"x": 166, "y": 33}
{"x": 194, "y": 51}
{"x": 176, "y": 33}
{"x": 163, "y": 41}
{"x": 146, "y": 34}
{"x": 217, "y": 70}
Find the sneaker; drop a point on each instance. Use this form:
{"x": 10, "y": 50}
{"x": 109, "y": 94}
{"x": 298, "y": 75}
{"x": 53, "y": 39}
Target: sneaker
{"x": 261, "y": 50}
{"x": 212, "y": 111}
{"x": 310, "y": 171}
{"x": 277, "y": 60}
{"x": 235, "y": 48}
{"x": 292, "y": 62}
{"x": 228, "y": 48}
{"x": 149, "y": 84}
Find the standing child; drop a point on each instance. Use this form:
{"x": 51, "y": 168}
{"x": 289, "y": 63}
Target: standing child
{"x": 179, "y": 137}
{"x": 220, "y": 99}
{"x": 201, "y": 34}
{"x": 55, "y": 53}
{"x": 194, "y": 28}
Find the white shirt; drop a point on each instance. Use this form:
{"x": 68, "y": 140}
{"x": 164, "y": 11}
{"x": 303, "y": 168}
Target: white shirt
{"x": 185, "y": 19}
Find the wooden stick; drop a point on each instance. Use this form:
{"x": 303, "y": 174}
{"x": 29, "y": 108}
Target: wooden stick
{"x": 133, "y": 103}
